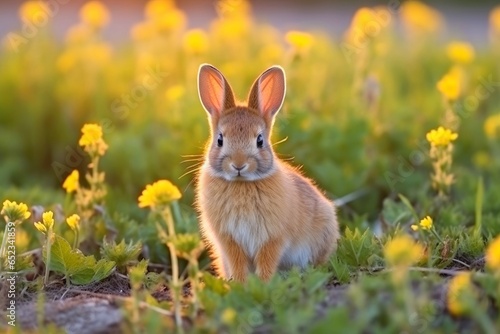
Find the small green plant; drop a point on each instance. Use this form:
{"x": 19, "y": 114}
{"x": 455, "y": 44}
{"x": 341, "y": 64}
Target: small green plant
{"x": 122, "y": 253}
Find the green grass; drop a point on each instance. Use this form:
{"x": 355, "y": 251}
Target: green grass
{"x": 355, "y": 122}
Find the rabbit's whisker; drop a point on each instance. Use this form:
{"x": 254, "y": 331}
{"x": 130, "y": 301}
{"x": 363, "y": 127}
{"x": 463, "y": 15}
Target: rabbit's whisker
{"x": 280, "y": 141}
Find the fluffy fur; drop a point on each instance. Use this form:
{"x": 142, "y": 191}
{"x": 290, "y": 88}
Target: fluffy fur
{"x": 257, "y": 213}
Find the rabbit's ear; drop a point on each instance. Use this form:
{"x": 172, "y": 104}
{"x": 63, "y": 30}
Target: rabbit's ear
{"x": 214, "y": 90}
{"x": 268, "y": 91}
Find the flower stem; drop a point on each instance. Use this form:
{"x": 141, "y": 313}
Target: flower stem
{"x": 176, "y": 286}
{"x": 75, "y": 242}
{"x": 433, "y": 230}
{"x": 48, "y": 246}
{"x": 2, "y": 248}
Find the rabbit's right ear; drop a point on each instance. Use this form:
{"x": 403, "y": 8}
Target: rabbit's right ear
{"x": 214, "y": 90}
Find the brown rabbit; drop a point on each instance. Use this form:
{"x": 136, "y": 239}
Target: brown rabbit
{"x": 258, "y": 214}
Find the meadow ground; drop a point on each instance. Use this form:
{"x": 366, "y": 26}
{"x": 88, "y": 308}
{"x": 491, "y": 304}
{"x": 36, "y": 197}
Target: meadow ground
{"x": 100, "y": 145}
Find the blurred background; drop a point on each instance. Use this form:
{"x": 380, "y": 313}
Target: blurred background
{"x": 362, "y": 91}
{"x": 464, "y": 19}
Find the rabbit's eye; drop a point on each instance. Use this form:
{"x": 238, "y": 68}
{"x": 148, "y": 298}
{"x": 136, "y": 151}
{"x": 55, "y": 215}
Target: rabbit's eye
{"x": 260, "y": 141}
{"x": 220, "y": 141}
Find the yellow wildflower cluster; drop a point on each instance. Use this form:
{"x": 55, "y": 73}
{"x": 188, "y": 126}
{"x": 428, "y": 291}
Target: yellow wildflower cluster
{"x": 162, "y": 16}
{"x": 493, "y": 255}
{"x": 450, "y": 84}
{"x": 402, "y": 251}
{"x": 425, "y": 224}
{"x": 31, "y": 10}
{"x": 441, "y": 153}
{"x": 234, "y": 20}
{"x": 459, "y": 290}
{"x": 94, "y": 14}
{"x": 47, "y": 222}
{"x": 84, "y": 45}
{"x": 159, "y": 193}
{"x": 196, "y": 41}
{"x": 299, "y": 41}
{"x": 14, "y": 211}
{"x": 364, "y": 25}
{"x": 441, "y": 137}
{"x": 419, "y": 17}
{"x": 174, "y": 93}
{"x": 92, "y": 140}
{"x": 492, "y": 126}
{"x": 460, "y": 52}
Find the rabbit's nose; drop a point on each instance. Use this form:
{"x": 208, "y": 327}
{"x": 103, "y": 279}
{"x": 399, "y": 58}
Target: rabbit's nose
{"x": 239, "y": 168}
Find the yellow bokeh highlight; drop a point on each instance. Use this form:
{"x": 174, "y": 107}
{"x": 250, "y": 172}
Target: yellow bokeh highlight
{"x": 94, "y": 14}
{"x": 419, "y": 17}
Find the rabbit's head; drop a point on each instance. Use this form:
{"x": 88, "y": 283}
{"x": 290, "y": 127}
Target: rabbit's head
{"x": 239, "y": 147}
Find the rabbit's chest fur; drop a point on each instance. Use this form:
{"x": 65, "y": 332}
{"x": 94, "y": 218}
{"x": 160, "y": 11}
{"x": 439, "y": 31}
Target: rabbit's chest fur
{"x": 250, "y": 212}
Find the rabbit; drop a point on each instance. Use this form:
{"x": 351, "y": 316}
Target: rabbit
{"x": 257, "y": 213}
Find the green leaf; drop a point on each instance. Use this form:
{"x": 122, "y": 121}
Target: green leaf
{"x": 395, "y": 212}
{"x": 315, "y": 280}
{"x": 356, "y": 248}
{"x": 340, "y": 270}
{"x": 121, "y": 253}
{"x": 406, "y": 202}
{"x": 78, "y": 268}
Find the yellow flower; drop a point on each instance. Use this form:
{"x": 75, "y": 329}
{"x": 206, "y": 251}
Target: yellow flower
{"x": 14, "y": 211}
{"x": 196, "y": 41}
{"x": 414, "y": 227}
{"x": 33, "y": 10}
{"x": 171, "y": 20}
{"x": 91, "y": 134}
{"x": 72, "y": 182}
{"x": 48, "y": 219}
{"x": 402, "y": 251}
{"x": 493, "y": 254}
{"x": 426, "y": 223}
{"x": 228, "y": 316}
{"x": 67, "y": 60}
{"x": 94, "y": 14}
{"x": 300, "y": 41}
{"x": 175, "y": 92}
{"x": 492, "y": 126}
{"x": 47, "y": 222}
{"x": 459, "y": 289}
{"x": 417, "y": 16}
{"x": 359, "y": 28}
{"x": 159, "y": 193}
{"x": 73, "y": 222}
{"x": 460, "y": 52}
{"x": 156, "y": 8}
{"x": 233, "y": 8}
{"x": 40, "y": 227}
{"x": 495, "y": 20}
{"x": 441, "y": 137}
{"x": 449, "y": 85}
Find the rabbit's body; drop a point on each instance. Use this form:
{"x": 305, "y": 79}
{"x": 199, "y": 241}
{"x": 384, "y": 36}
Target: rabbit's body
{"x": 258, "y": 214}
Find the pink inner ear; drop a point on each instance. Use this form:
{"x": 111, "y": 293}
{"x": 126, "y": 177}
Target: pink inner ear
{"x": 211, "y": 86}
{"x": 271, "y": 91}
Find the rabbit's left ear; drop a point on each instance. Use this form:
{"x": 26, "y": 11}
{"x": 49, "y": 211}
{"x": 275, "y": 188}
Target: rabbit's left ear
{"x": 268, "y": 91}
{"x": 215, "y": 92}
